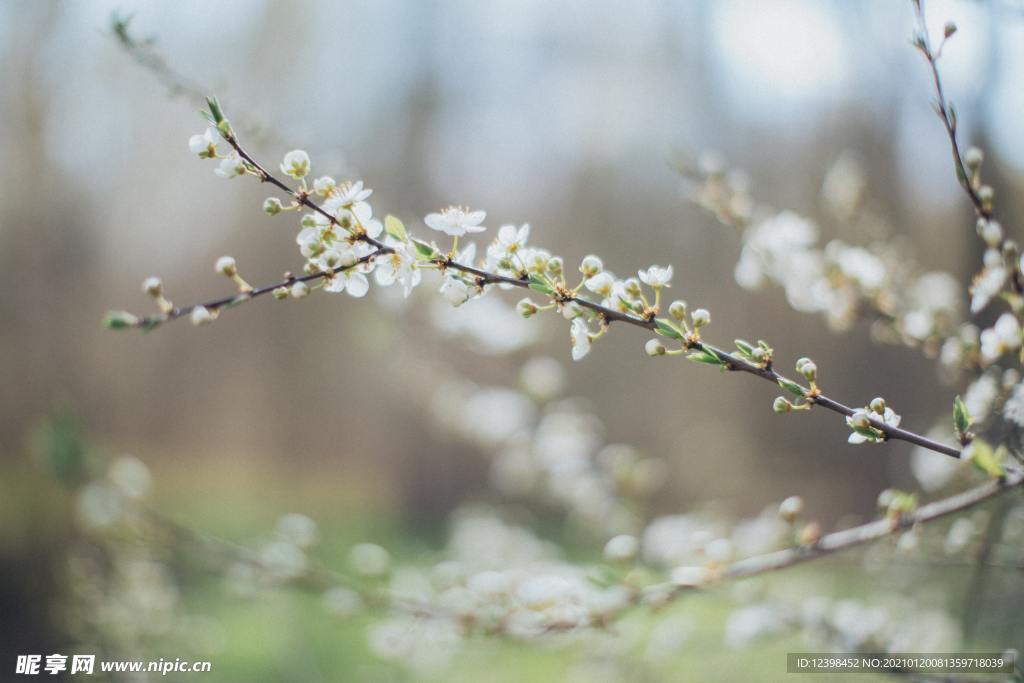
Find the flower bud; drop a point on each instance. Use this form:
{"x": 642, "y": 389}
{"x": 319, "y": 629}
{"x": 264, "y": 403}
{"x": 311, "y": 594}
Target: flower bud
{"x": 808, "y": 369}
{"x": 526, "y": 308}
{"x": 986, "y": 194}
{"x": 280, "y": 293}
{"x": 555, "y": 265}
{"x": 810, "y": 534}
{"x": 1011, "y": 252}
{"x": 791, "y": 508}
{"x": 152, "y": 286}
{"x": 781, "y": 405}
{"x": 272, "y": 206}
{"x": 947, "y": 31}
{"x": 878, "y": 405}
{"x": 632, "y": 287}
{"x": 860, "y": 420}
{"x": 591, "y": 266}
{"x": 885, "y": 499}
{"x": 701, "y": 317}
{"x": 308, "y": 221}
{"x": 226, "y": 266}
{"x": 973, "y": 158}
{"x": 688, "y": 576}
{"x": 622, "y": 548}
{"x": 201, "y": 316}
{"x": 759, "y": 355}
{"x": 654, "y": 347}
{"x": 992, "y": 233}
{"x": 299, "y": 290}
{"x": 677, "y": 309}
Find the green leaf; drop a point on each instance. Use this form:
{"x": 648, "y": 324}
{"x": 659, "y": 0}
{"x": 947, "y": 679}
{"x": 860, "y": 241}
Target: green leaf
{"x": 961, "y": 418}
{"x": 704, "y": 356}
{"x": 983, "y": 459}
{"x": 395, "y": 228}
{"x": 120, "y": 320}
{"x": 665, "y": 328}
{"x": 540, "y": 284}
{"x": 216, "y": 113}
{"x": 745, "y": 348}
{"x": 424, "y": 251}
{"x": 792, "y": 387}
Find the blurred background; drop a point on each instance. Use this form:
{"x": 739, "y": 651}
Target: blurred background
{"x": 563, "y": 115}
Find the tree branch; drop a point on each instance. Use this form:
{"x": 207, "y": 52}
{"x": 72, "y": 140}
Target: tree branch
{"x": 482, "y": 278}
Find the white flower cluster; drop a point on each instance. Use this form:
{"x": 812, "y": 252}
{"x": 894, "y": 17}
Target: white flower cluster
{"x": 840, "y": 281}
{"x": 860, "y": 425}
{"x": 343, "y": 243}
{"x": 694, "y": 546}
{"x": 550, "y": 449}
{"x": 500, "y": 578}
{"x": 847, "y": 625}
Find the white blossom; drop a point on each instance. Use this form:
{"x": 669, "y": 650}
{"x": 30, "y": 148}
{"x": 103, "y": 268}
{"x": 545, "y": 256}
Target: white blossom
{"x": 324, "y": 185}
{"x": 1013, "y": 409}
{"x": 580, "y": 337}
{"x": 230, "y": 166}
{"x": 980, "y": 395}
{"x": 542, "y": 377}
{"x": 350, "y": 281}
{"x": 858, "y": 264}
{"x": 932, "y": 470}
{"x": 601, "y": 284}
{"x": 205, "y": 144}
{"x": 986, "y": 286}
{"x": 455, "y": 290}
{"x": 511, "y": 239}
{"x": 456, "y": 221}
{"x": 1004, "y": 336}
{"x": 297, "y": 529}
{"x": 350, "y": 199}
{"x": 656, "y": 276}
{"x": 295, "y": 164}
{"x": 398, "y": 266}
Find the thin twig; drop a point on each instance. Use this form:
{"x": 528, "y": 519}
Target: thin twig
{"x": 950, "y": 122}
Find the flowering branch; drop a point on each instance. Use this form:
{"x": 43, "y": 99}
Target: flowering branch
{"x": 814, "y": 545}
{"x": 341, "y": 238}
{"x": 873, "y": 531}
{"x": 966, "y": 164}
{"x": 899, "y": 517}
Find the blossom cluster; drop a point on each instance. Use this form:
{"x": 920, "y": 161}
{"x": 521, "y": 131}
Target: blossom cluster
{"x": 342, "y": 243}
{"x": 841, "y": 281}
